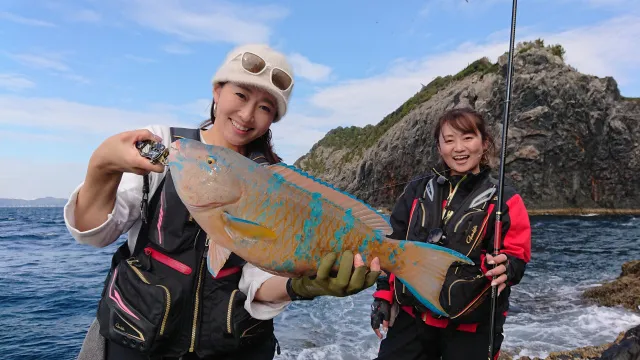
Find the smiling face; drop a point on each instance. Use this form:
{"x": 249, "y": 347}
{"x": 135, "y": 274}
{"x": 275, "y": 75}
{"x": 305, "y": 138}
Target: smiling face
{"x": 243, "y": 113}
{"x": 461, "y": 146}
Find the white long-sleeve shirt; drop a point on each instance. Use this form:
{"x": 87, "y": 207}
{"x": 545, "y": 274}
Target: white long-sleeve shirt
{"x": 125, "y": 217}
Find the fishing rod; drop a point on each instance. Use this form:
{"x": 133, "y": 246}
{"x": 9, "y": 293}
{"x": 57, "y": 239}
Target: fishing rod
{"x": 505, "y": 125}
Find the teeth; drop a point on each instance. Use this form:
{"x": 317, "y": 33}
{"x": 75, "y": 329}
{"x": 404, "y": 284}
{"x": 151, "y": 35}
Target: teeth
{"x": 237, "y": 126}
{"x": 462, "y": 157}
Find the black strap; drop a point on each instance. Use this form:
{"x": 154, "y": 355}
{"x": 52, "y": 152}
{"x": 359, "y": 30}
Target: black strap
{"x": 145, "y": 207}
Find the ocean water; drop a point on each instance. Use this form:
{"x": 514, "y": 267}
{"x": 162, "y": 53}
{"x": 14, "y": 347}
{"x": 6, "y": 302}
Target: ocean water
{"x": 49, "y": 288}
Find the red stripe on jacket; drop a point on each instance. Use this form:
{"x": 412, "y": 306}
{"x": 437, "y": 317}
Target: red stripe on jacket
{"x": 517, "y": 240}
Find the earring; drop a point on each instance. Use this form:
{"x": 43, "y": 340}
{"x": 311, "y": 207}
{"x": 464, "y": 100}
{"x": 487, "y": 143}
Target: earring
{"x": 215, "y": 107}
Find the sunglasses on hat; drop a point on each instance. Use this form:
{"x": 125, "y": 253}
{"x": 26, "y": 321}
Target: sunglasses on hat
{"x": 256, "y": 65}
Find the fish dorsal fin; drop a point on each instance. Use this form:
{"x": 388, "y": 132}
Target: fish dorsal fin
{"x": 359, "y": 209}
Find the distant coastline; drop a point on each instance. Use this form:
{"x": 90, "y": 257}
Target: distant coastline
{"x": 39, "y": 202}
{"x": 583, "y": 212}
{"x": 566, "y": 212}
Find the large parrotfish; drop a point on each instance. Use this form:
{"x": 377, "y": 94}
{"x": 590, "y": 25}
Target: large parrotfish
{"x": 283, "y": 221}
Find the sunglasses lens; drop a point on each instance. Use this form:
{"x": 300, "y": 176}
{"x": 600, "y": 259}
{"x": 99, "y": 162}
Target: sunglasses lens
{"x": 281, "y": 79}
{"x": 252, "y": 63}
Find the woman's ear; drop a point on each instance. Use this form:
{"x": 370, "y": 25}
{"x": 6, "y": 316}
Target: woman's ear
{"x": 217, "y": 89}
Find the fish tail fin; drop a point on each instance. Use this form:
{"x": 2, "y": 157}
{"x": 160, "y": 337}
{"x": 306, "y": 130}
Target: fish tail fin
{"x": 422, "y": 268}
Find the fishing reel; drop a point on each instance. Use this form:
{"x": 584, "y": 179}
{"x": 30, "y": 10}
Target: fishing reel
{"x": 437, "y": 237}
{"x": 154, "y": 151}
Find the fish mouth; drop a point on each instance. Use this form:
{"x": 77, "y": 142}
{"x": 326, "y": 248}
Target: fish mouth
{"x": 213, "y": 204}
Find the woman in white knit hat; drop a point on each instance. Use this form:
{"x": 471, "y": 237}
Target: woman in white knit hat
{"x": 159, "y": 301}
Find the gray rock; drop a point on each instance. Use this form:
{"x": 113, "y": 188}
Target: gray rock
{"x": 573, "y": 140}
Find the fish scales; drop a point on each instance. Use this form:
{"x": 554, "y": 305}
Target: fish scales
{"x": 327, "y": 227}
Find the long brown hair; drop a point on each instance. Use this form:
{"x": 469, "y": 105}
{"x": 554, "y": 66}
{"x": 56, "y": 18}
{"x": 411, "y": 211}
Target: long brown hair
{"x": 262, "y": 144}
{"x": 467, "y": 121}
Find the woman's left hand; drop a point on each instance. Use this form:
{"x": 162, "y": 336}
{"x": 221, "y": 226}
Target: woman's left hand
{"x": 498, "y": 275}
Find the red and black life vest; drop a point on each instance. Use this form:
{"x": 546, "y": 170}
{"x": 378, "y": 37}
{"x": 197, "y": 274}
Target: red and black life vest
{"x": 162, "y": 300}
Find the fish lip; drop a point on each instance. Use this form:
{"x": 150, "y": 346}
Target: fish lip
{"x": 206, "y": 206}
{"x": 213, "y": 204}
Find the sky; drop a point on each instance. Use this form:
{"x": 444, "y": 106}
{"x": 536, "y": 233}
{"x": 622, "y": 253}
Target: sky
{"x": 73, "y": 73}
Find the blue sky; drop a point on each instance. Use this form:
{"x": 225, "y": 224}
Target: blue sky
{"x": 75, "y": 72}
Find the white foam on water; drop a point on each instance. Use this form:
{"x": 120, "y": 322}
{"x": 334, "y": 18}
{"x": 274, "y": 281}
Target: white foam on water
{"x": 539, "y": 334}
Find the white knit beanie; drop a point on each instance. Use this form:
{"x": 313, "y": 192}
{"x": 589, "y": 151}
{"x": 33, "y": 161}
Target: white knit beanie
{"x": 231, "y": 70}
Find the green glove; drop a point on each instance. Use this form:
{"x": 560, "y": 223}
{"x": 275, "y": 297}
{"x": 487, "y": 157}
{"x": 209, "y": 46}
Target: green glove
{"x": 345, "y": 283}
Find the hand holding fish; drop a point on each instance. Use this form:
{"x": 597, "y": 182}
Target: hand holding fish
{"x": 345, "y": 283}
{"x": 118, "y": 154}
{"x": 500, "y": 271}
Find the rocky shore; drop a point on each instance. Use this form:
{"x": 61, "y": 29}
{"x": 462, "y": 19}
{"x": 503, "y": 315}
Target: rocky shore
{"x": 623, "y": 291}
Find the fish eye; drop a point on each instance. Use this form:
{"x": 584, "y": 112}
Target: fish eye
{"x": 211, "y": 161}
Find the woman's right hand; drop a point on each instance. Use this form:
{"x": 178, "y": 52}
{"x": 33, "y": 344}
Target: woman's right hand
{"x": 118, "y": 154}
{"x": 380, "y": 312}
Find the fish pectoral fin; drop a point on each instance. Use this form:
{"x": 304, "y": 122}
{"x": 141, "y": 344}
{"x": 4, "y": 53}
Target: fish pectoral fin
{"x": 217, "y": 257}
{"x": 242, "y": 230}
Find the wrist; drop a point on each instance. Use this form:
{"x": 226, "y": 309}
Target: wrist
{"x": 292, "y": 293}
{"x": 100, "y": 166}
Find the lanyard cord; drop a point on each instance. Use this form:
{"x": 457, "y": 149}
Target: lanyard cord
{"x": 447, "y": 214}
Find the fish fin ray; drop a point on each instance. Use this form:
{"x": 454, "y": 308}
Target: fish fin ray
{"x": 366, "y": 213}
{"x": 217, "y": 257}
{"x": 422, "y": 268}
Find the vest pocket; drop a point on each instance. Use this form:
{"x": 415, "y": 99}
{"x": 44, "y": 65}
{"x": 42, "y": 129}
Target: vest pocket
{"x": 464, "y": 294}
{"x": 466, "y": 232}
{"x": 138, "y": 309}
{"x": 226, "y": 324}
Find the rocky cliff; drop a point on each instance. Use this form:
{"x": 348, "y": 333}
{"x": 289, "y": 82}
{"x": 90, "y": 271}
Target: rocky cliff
{"x": 573, "y": 140}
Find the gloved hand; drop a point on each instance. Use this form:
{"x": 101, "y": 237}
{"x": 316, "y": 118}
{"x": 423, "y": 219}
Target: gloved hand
{"x": 380, "y": 309}
{"x": 345, "y": 283}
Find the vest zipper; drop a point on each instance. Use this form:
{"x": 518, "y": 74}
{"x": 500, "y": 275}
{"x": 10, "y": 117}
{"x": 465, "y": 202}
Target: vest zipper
{"x": 233, "y": 294}
{"x": 168, "y": 302}
{"x": 197, "y": 300}
{"x": 195, "y": 309}
{"x": 472, "y": 303}
{"x": 453, "y": 283}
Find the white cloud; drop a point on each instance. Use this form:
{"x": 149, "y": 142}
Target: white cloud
{"x": 68, "y": 124}
{"x": 177, "y": 49}
{"x": 292, "y": 136}
{"x": 23, "y": 20}
{"x": 606, "y": 49}
{"x": 15, "y": 82}
{"x": 200, "y": 20}
{"x": 44, "y": 61}
{"x": 304, "y": 68}
{"x": 366, "y": 101}
{"x": 49, "y": 61}
{"x": 73, "y": 117}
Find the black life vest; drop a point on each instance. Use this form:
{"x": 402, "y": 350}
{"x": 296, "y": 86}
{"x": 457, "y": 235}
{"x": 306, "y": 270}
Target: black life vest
{"x": 162, "y": 300}
{"x": 465, "y": 288}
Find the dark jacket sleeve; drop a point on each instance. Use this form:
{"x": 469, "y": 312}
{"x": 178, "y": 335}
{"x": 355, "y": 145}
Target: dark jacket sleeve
{"x": 399, "y": 220}
{"x": 516, "y": 235}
